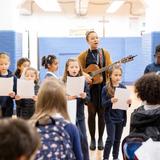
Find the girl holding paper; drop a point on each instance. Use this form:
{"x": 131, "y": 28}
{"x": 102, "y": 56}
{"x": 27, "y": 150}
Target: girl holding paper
{"x": 50, "y": 63}
{"x": 115, "y": 119}
{"x": 26, "y": 106}
{"x": 22, "y": 64}
{"x": 73, "y": 69}
{"x": 6, "y": 101}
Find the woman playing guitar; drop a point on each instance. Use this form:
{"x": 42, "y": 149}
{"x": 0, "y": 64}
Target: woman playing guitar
{"x": 95, "y": 57}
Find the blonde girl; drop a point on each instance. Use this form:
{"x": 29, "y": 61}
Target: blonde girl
{"x": 73, "y": 69}
{"x": 25, "y": 107}
{"x": 6, "y": 102}
{"x": 51, "y": 102}
{"x": 115, "y": 119}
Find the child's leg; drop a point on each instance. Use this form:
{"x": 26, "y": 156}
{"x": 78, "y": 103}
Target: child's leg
{"x": 110, "y": 139}
{"x": 118, "y": 135}
{"x": 83, "y": 137}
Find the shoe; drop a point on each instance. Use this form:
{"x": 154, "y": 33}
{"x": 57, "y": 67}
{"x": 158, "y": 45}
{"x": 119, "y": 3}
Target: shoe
{"x": 93, "y": 145}
{"x": 100, "y": 144}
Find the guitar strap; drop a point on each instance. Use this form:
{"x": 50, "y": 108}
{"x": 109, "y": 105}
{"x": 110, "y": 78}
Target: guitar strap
{"x": 101, "y": 57}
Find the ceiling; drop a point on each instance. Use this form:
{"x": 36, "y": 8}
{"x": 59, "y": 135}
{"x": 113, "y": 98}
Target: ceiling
{"x": 86, "y": 7}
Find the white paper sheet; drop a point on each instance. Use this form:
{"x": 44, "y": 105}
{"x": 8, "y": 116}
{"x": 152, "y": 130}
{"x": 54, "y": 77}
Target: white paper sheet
{"x": 6, "y": 86}
{"x": 123, "y": 95}
{"x": 25, "y": 88}
{"x": 75, "y": 85}
{"x": 72, "y": 109}
{"x": 149, "y": 150}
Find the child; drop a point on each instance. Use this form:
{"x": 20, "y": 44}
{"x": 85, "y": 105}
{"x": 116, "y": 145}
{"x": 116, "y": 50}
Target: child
{"x": 52, "y": 105}
{"x": 6, "y": 102}
{"x": 155, "y": 66}
{"x": 26, "y": 107}
{"x": 22, "y": 63}
{"x": 148, "y": 90}
{"x": 145, "y": 120}
{"x": 74, "y": 69}
{"x": 51, "y": 64}
{"x": 18, "y": 140}
{"x": 115, "y": 119}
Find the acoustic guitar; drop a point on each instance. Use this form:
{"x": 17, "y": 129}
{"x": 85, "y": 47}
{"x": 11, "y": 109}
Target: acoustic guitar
{"x": 96, "y": 73}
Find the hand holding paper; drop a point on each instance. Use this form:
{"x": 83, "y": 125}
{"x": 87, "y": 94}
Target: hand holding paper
{"x": 122, "y": 95}
{"x": 6, "y": 86}
{"x": 25, "y": 88}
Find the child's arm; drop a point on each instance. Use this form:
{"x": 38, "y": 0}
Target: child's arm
{"x": 86, "y": 94}
{"x": 106, "y": 99}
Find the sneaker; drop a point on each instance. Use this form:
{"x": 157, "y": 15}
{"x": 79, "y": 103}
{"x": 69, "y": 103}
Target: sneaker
{"x": 93, "y": 145}
{"x": 100, "y": 144}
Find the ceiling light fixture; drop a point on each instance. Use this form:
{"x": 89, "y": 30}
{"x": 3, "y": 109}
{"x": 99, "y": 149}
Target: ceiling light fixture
{"x": 48, "y": 5}
{"x": 115, "y": 5}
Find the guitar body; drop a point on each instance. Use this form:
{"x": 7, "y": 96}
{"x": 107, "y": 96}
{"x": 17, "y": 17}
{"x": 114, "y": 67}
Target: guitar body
{"x": 96, "y": 79}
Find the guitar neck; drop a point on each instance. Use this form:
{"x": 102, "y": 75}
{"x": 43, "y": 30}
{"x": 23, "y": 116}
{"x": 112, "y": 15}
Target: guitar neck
{"x": 123, "y": 60}
{"x": 94, "y": 73}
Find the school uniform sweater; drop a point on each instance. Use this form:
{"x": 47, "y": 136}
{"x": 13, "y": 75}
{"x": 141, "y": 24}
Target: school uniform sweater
{"x": 26, "y": 107}
{"x": 75, "y": 139}
{"x": 6, "y": 102}
{"x": 153, "y": 67}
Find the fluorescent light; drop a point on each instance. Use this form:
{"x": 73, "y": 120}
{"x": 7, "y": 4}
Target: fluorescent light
{"x": 48, "y": 5}
{"x": 115, "y": 5}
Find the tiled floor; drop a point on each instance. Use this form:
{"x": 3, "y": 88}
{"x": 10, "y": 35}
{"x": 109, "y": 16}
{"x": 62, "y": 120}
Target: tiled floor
{"x": 98, "y": 155}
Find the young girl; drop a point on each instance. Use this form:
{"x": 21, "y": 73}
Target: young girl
{"x": 74, "y": 69}
{"x": 22, "y": 63}
{"x": 51, "y": 64}
{"x": 6, "y": 102}
{"x": 115, "y": 119}
{"x": 26, "y": 107}
{"x": 52, "y": 103}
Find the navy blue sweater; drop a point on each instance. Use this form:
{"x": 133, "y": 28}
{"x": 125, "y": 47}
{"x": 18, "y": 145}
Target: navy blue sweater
{"x": 75, "y": 139}
{"x": 6, "y": 102}
{"x": 112, "y": 115}
{"x": 152, "y": 68}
